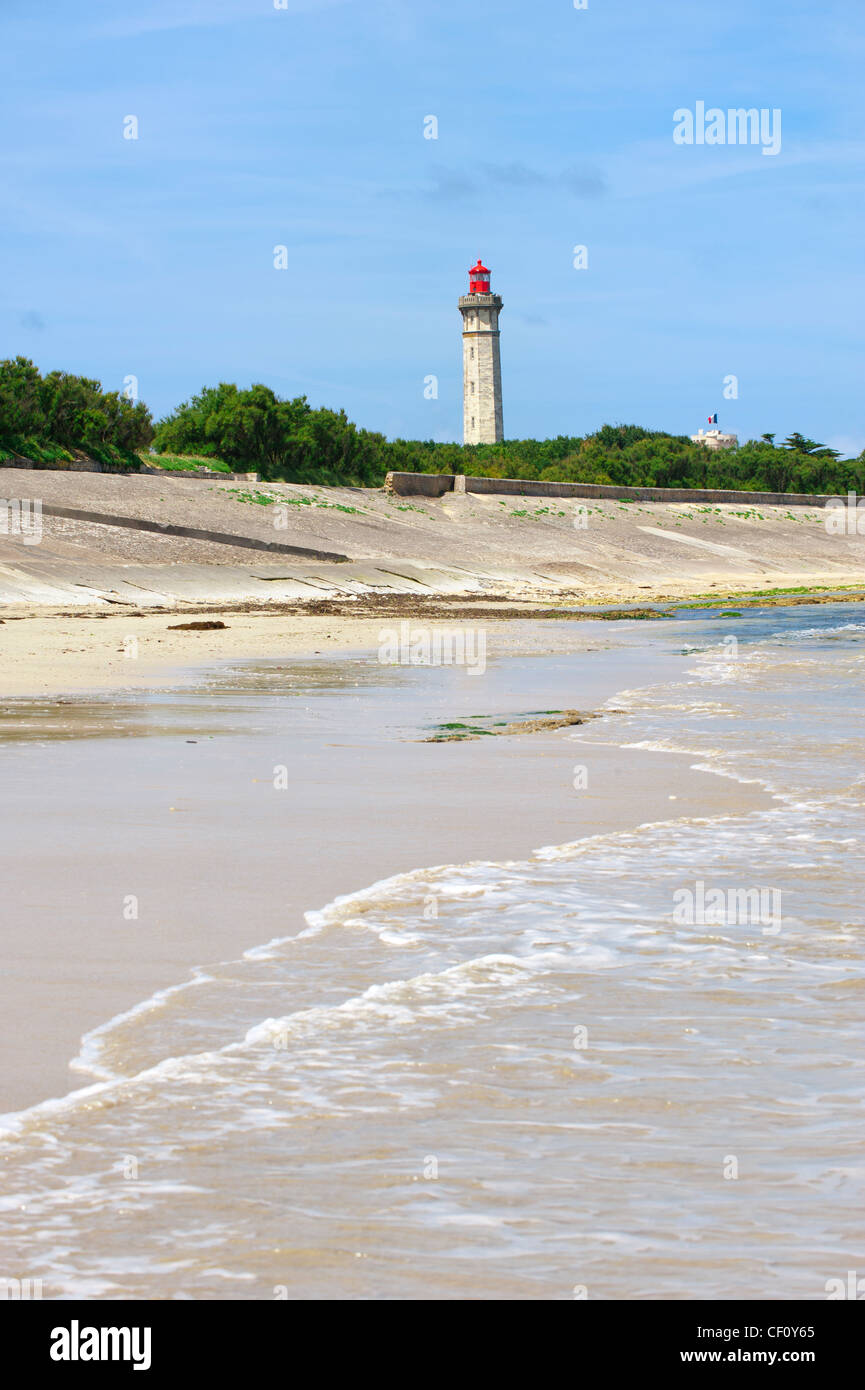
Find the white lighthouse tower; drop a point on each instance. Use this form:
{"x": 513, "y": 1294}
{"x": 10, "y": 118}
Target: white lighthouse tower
{"x": 482, "y": 365}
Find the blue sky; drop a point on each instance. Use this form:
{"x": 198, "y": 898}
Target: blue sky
{"x": 304, "y": 127}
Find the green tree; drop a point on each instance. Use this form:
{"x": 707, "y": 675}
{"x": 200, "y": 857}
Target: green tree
{"x": 72, "y": 412}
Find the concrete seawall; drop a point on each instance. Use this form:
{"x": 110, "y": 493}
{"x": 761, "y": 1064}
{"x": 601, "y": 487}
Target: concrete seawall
{"x": 419, "y": 484}
{"x": 142, "y": 540}
{"x": 82, "y": 464}
{"x": 437, "y": 484}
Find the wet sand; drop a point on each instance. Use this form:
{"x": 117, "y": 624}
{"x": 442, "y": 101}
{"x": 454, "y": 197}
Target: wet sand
{"x": 56, "y": 653}
{"x": 164, "y": 797}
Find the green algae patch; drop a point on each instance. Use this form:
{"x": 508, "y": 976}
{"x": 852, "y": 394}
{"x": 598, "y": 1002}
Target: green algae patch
{"x": 537, "y": 722}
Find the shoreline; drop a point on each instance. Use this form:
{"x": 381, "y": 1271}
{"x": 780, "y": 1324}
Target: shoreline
{"x": 220, "y": 864}
{"x": 42, "y": 655}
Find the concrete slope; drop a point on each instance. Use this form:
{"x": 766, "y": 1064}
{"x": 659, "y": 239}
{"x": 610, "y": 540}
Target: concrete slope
{"x": 459, "y": 543}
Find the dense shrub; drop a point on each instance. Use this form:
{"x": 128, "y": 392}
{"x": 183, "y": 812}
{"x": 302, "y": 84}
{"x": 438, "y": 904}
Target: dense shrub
{"x": 44, "y": 416}
{"x": 254, "y": 429}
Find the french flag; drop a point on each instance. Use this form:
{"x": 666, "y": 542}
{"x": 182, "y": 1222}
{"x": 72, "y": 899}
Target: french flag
{"x": 713, "y": 419}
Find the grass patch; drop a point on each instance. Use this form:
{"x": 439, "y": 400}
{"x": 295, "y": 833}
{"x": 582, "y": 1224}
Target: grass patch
{"x": 266, "y": 499}
{"x": 258, "y": 499}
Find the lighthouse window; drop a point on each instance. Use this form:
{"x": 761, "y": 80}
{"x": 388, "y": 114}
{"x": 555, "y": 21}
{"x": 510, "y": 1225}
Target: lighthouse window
{"x": 472, "y": 352}
{"x": 473, "y": 388}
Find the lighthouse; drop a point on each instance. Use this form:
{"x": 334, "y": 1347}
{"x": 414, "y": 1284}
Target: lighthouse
{"x": 482, "y": 365}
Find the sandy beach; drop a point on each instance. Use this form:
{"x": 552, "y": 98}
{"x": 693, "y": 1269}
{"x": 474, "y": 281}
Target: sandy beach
{"x": 432, "y": 646}
{"x": 253, "y": 904}
{"x": 54, "y": 652}
{"x": 274, "y": 914}
{"x": 160, "y": 819}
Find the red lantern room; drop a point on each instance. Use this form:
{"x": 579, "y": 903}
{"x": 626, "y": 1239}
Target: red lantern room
{"x": 479, "y": 279}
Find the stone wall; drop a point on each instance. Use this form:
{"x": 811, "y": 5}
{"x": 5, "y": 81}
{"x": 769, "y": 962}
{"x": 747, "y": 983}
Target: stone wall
{"x": 73, "y": 465}
{"x": 81, "y": 464}
{"x": 419, "y": 484}
{"x": 437, "y": 484}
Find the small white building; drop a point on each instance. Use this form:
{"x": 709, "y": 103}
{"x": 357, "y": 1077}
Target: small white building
{"x": 715, "y": 439}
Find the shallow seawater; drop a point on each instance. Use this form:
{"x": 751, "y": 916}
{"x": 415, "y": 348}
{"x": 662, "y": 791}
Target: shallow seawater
{"x": 630, "y": 1066}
